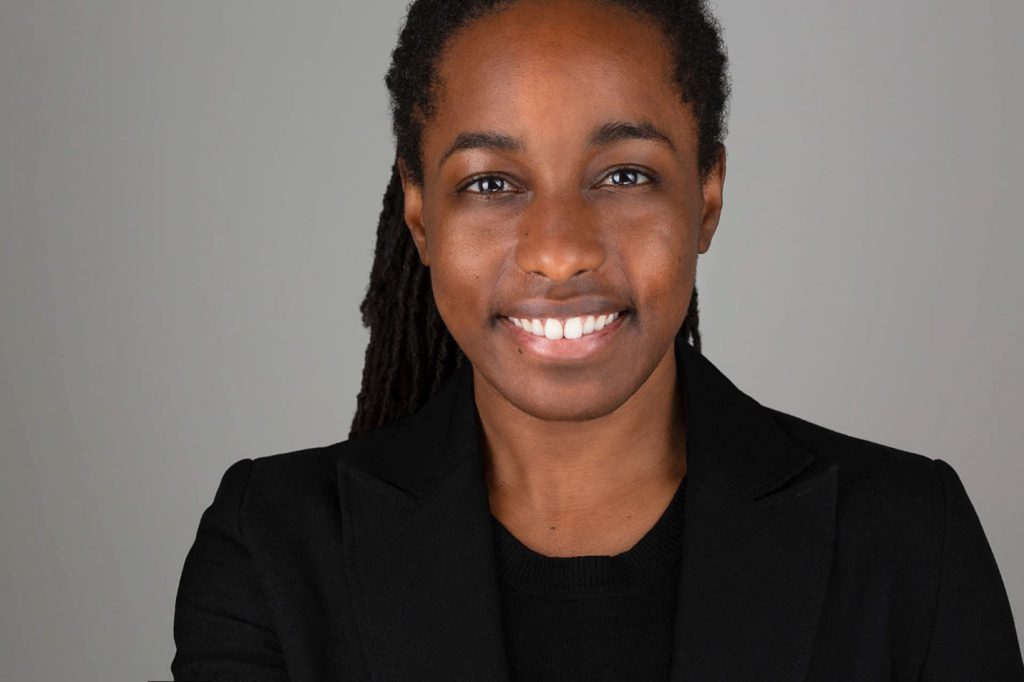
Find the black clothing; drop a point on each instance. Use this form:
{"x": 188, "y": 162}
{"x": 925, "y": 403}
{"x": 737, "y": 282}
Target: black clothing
{"x": 594, "y": 618}
{"x": 808, "y": 555}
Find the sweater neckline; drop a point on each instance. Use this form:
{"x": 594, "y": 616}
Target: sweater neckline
{"x": 651, "y": 556}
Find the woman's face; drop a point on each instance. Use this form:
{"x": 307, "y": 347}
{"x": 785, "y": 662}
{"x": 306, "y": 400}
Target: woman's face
{"x": 560, "y": 181}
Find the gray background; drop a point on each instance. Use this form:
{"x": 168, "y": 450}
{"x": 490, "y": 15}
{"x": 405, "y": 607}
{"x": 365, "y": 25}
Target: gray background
{"x": 188, "y": 198}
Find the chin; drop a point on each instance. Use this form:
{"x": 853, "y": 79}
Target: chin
{"x": 569, "y": 405}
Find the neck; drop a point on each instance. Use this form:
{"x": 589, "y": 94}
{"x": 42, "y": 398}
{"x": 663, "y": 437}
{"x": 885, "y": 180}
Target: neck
{"x": 573, "y": 469}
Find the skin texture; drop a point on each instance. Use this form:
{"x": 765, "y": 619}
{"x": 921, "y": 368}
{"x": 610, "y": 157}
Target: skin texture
{"x": 582, "y": 455}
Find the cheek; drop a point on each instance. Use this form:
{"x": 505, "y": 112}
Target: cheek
{"x": 657, "y": 248}
{"x": 465, "y": 258}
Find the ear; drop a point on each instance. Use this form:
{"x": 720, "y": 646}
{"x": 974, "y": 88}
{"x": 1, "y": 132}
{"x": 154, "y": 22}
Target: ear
{"x": 713, "y": 186}
{"x": 413, "y": 212}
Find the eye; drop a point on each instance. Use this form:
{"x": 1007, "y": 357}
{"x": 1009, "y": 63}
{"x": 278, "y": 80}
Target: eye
{"x": 625, "y": 177}
{"x": 487, "y": 184}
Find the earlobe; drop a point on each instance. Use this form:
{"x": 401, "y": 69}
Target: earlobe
{"x": 712, "y": 189}
{"x": 413, "y": 212}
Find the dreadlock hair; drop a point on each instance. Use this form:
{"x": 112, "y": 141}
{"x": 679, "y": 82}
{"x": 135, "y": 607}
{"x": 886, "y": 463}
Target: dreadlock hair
{"x": 411, "y": 352}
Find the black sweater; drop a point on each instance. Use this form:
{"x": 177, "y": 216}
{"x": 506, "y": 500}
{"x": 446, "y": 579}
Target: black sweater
{"x": 592, "y": 617}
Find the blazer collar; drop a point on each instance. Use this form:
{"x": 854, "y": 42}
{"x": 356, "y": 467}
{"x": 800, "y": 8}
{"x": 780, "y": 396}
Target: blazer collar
{"x": 757, "y": 544}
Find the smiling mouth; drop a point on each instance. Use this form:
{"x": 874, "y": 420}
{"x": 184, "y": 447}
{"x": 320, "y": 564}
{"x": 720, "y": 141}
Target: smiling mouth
{"x": 553, "y": 328}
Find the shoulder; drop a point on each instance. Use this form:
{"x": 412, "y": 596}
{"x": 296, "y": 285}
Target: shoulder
{"x": 883, "y": 492}
{"x": 300, "y": 478}
{"x": 908, "y": 534}
{"x": 862, "y": 461}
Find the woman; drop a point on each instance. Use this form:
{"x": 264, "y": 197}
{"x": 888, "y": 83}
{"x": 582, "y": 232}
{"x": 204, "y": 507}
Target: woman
{"x": 545, "y": 478}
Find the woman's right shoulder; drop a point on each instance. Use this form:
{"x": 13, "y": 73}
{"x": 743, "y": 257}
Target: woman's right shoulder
{"x": 294, "y": 479}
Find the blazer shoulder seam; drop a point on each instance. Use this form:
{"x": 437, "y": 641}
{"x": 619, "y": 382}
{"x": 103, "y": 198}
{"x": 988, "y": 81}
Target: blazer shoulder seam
{"x": 243, "y": 495}
{"x": 939, "y": 562}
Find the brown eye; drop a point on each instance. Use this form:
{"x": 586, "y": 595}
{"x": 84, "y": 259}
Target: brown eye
{"x": 624, "y": 177}
{"x": 489, "y": 184}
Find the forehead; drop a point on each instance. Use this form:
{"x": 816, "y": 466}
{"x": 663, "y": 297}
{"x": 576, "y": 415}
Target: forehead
{"x": 563, "y": 65}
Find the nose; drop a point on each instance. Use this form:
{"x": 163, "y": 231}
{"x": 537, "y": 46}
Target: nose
{"x": 559, "y": 238}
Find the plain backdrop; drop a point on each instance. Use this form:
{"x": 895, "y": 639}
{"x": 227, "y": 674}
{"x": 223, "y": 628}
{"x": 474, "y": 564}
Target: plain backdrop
{"x": 188, "y": 198}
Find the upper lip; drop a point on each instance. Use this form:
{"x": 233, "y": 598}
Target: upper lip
{"x": 576, "y": 307}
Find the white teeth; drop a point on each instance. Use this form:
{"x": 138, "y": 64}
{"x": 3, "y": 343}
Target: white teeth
{"x": 572, "y": 328}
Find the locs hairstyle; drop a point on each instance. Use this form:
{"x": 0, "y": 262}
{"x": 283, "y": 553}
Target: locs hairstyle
{"x": 411, "y": 352}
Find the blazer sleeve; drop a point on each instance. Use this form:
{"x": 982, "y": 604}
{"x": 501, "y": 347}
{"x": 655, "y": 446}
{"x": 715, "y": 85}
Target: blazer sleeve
{"x": 973, "y": 635}
{"x": 222, "y": 627}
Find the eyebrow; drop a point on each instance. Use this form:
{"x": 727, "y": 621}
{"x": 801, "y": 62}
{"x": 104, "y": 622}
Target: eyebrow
{"x": 613, "y": 131}
{"x": 483, "y": 140}
{"x": 628, "y": 130}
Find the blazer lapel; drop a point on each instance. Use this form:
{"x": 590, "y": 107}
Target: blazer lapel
{"x": 757, "y": 540}
{"x": 757, "y": 547}
{"x": 419, "y": 546}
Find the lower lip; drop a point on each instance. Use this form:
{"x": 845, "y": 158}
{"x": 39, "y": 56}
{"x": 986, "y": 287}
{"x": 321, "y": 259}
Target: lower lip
{"x": 565, "y": 349}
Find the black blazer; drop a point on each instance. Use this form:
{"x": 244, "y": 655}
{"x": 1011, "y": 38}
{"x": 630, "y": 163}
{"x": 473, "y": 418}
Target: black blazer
{"x": 807, "y": 555}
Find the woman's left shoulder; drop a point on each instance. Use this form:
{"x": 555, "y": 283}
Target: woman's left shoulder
{"x": 884, "y": 484}
{"x": 908, "y": 535}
